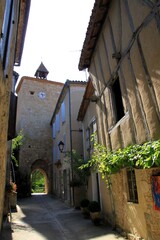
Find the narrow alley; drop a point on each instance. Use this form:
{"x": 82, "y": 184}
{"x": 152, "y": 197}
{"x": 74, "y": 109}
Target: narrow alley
{"x": 42, "y": 217}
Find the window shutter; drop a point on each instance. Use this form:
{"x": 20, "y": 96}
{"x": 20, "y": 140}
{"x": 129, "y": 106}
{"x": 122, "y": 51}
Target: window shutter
{"x": 6, "y": 28}
{"x": 57, "y": 123}
{"x": 54, "y": 130}
{"x": 63, "y": 112}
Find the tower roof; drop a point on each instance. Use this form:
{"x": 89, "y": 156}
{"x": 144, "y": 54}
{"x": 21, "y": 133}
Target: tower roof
{"x": 41, "y": 72}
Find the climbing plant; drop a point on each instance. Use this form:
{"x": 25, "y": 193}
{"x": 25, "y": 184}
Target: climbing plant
{"x": 79, "y": 174}
{"x": 145, "y": 155}
{"x": 16, "y": 143}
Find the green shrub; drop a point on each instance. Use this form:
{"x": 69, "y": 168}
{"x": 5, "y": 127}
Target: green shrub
{"x": 94, "y": 206}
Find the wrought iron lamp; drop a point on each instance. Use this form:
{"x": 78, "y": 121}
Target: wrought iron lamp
{"x": 61, "y": 146}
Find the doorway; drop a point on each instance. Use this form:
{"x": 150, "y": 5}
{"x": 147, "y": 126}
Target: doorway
{"x": 39, "y": 181}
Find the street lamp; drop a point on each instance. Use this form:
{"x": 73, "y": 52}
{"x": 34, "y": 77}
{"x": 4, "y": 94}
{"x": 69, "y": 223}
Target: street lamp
{"x": 61, "y": 146}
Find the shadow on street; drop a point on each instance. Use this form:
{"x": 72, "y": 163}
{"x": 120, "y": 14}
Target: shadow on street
{"x": 43, "y": 217}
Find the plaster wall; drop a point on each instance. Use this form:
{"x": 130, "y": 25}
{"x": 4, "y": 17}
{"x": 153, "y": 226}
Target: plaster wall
{"x": 76, "y": 98}
{"x": 63, "y": 173}
{"x": 90, "y": 115}
{"x": 72, "y": 98}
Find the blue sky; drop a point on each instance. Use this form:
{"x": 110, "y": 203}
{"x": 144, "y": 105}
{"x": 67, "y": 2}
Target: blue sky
{"x": 55, "y": 35}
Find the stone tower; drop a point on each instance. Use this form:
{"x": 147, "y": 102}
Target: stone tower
{"x": 37, "y": 98}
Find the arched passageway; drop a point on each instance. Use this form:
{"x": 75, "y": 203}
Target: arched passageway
{"x": 40, "y": 176}
{"x": 39, "y": 182}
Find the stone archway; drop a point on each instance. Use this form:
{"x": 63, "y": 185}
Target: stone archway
{"x": 44, "y": 176}
{"x": 45, "y": 169}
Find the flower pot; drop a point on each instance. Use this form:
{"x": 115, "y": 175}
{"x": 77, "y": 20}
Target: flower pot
{"x": 85, "y": 212}
{"x": 95, "y": 210}
{"x": 13, "y": 199}
{"x": 95, "y": 217}
{"x": 84, "y": 207}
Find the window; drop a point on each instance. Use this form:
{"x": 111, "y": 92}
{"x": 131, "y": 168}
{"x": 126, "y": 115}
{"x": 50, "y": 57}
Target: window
{"x": 117, "y": 100}
{"x": 132, "y": 186}
{"x": 89, "y": 132}
{"x": 54, "y": 130}
{"x": 93, "y": 130}
{"x": 87, "y": 139}
{"x": 63, "y": 112}
{"x": 6, "y": 32}
{"x": 57, "y": 123}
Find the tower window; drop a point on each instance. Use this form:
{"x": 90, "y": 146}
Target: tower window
{"x": 117, "y": 100}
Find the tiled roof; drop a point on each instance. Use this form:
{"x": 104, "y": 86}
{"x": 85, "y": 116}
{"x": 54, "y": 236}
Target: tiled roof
{"x": 42, "y": 68}
{"x": 22, "y": 26}
{"x": 67, "y": 85}
{"x": 86, "y": 100}
{"x": 97, "y": 18}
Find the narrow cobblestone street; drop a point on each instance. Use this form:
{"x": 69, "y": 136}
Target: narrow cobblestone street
{"x": 42, "y": 217}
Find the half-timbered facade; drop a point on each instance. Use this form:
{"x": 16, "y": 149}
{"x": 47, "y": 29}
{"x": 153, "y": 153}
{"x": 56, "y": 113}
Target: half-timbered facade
{"x": 121, "y": 51}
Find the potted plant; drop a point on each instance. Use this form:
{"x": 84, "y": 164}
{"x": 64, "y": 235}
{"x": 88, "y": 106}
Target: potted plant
{"x": 95, "y": 210}
{"x": 13, "y": 195}
{"x": 84, "y": 207}
{"x": 11, "y": 191}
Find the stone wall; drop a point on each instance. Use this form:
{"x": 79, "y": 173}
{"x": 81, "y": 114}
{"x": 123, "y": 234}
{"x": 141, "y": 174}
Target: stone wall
{"x": 5, "y": 89}
{"x": 136, "y": 219}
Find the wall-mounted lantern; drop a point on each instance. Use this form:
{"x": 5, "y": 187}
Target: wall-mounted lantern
{"x": 61, "y": 146}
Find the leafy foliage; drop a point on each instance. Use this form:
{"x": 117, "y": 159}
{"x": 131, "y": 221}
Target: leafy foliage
{"x": 146, "y": 155}
{"x": 79, "y": 175}
{"x": 94, "y": 206}
{"x": 38, "y": 182}
{"x": 16, "y": 143}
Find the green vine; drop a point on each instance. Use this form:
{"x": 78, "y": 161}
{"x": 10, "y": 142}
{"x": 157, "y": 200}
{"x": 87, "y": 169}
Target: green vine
{"x": 143, "y": 156}
{"x": 79, "y": 175}
{"x": 16, "y": 143}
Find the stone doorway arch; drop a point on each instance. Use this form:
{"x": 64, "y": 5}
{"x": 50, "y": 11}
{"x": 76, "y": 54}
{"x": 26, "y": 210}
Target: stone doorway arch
{"x": 45, "y": 178}
{"x": 45, "y": 169}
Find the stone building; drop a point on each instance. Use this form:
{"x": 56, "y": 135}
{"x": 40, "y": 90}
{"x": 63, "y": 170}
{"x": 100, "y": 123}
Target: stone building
{"x": 37, "y": 98}
{"x": 13, "y": 24}
{"x": 67, "y": 133}
{"x": 121, "y": 51}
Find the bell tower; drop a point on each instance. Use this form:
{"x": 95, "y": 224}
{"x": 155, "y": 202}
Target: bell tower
{"x": 41, "y": 72}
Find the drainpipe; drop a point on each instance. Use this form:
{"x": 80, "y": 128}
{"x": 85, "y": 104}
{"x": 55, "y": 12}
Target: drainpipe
{"x": 70, "y": 132}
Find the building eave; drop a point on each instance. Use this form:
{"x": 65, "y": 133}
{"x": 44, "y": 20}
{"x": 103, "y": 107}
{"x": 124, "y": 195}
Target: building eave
{"x": 21, "y": 31}
{"x": 97, "y": 18}
{"x": 67, "y": 85}
{"x": 86, "y": 100}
